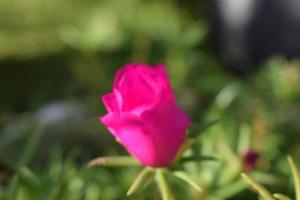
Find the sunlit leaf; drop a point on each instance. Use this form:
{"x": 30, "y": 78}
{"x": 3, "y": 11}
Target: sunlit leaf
{"x": 281, "y": 197}
{"x": 114, "y": 161}
{"x": 163, "y": 185}
{"x": 185, "y": 177}
{"x": 295, "y": 177}
{"x": 141, "y": 179}
{"x": 264, "y": 193}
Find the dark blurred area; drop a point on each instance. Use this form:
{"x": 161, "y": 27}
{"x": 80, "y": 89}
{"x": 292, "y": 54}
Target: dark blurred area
{"x": 248, "y": 32}
{"x": 58, "y": 57}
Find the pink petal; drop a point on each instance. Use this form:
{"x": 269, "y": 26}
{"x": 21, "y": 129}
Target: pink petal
{"x": 142, "y": 86}
{"x": 127, "y": 70}
{"x": 130, "y": 132}
{"x": 166, "y": 126}
{"x": 135, "y": 91}
{"x": 112, "y": 101}
{"x": 159, "y": 82}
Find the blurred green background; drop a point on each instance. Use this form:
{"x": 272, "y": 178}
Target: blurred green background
{"x": 57, "y": 58}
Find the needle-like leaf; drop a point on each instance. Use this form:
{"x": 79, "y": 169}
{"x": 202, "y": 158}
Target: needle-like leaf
{"x": 295, "y": 176}
{"x": 184, "y": 147}
{"x": 163, "y": 184}
{"x": 281, "y": 197}
{"x": 114, "y": 161}
{"x": 264, "y": 193}
{"x": 141, "y": 179}
{"x": 185, "y": 177}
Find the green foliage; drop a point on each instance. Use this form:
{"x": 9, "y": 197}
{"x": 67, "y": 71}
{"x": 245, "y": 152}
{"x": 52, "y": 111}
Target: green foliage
{"x": 68, "y": 51}
{"x": 266, "y": 195}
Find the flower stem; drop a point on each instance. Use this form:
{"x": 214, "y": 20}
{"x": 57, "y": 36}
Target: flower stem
{"x": 162, "y": 183}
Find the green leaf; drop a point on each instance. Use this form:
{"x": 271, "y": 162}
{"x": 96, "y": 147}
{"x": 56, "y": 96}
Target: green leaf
{"x": 27, "y": 174}
{"x": 184, "y": 147}
{"x": 185, "y": 177}
{"x": 295, "y": 176}
{"x": 230, "y": 189}
{"x": 13, "y": 187}
{"x": 141, "y": 179}
{"x": 163, "y": 184}
{"x": 198, "y": 158}
{"x": 281, "y": 197}
{"x": 203, "y": 128}
{"x": 264, "y": 193}
{"x": 31, "y": 146}
{"x": 114, "y": 161}
{"x": 228, "y": 94}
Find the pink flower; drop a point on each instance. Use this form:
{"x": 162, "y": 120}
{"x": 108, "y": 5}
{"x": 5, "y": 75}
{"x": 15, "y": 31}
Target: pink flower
{"x": 143, "y": 115}
{"x": 250, "y": 159}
